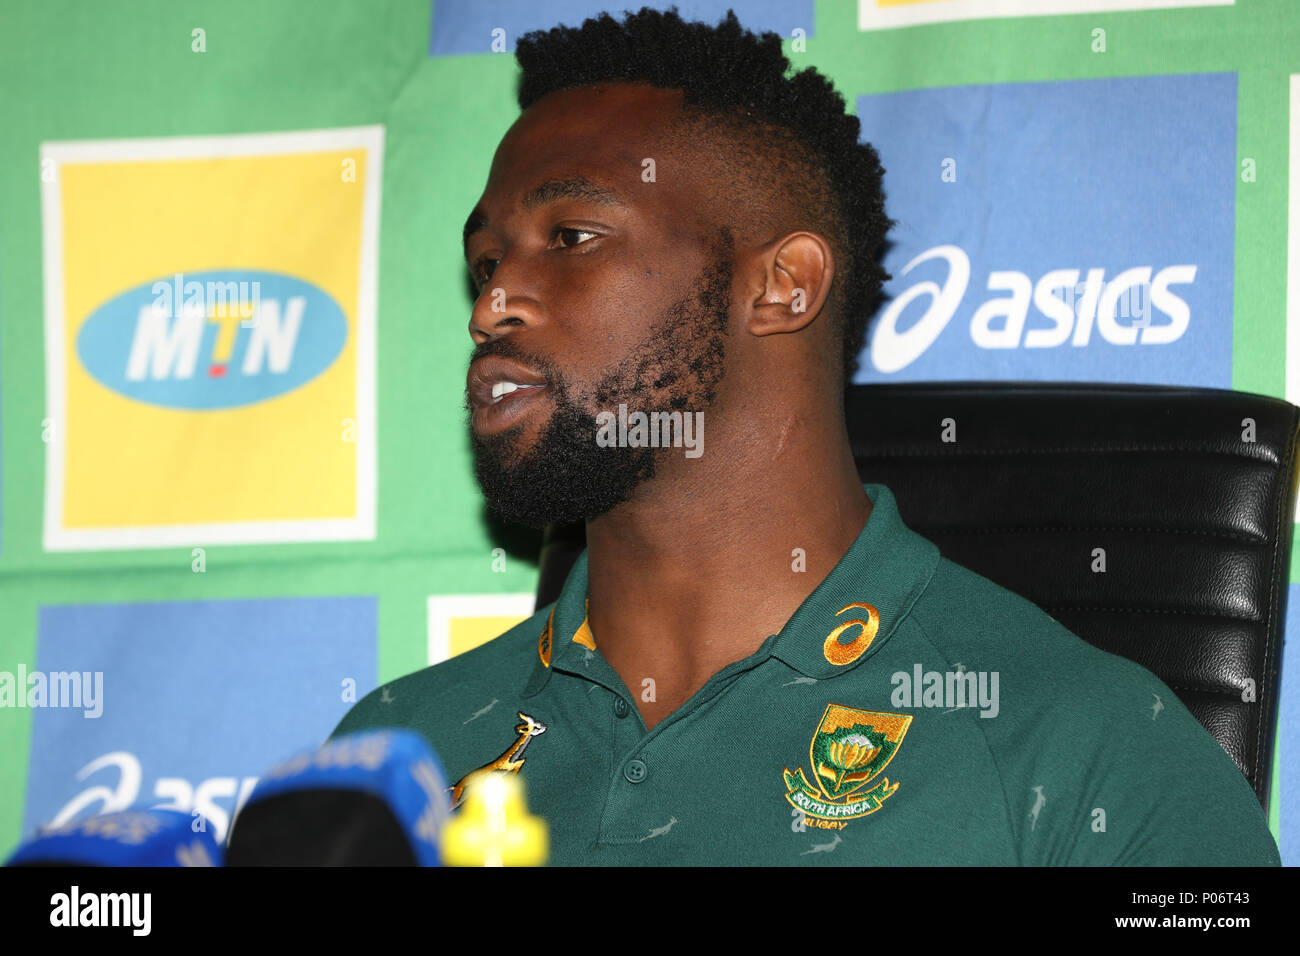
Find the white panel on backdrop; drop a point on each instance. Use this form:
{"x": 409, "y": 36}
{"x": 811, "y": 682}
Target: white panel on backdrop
{"x": 886, "y": 14}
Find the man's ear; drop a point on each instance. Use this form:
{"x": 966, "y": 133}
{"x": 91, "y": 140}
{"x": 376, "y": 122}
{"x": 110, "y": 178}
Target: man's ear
{"x": 792, "y": 278}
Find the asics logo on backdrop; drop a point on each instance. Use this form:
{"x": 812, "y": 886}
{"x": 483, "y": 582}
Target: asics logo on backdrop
{"x": 1074, "y": 301}
{"x": 216, "y": 799}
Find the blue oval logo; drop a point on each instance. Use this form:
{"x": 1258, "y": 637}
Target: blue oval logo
{"x": 216, "y": 339}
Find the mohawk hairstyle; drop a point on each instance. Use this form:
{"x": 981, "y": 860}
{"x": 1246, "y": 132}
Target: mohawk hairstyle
{"x": 735, "y": 87}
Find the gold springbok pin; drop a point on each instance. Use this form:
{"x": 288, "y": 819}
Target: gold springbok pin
{"x": 508, "y": 762}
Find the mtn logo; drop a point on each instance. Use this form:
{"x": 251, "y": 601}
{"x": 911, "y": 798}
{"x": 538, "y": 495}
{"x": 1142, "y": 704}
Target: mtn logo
{"x": 212, "y": 340}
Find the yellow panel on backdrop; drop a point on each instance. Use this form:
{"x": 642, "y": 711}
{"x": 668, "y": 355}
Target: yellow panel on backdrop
{"x": 212, "y": 420}
{"x": 468, "y": 633}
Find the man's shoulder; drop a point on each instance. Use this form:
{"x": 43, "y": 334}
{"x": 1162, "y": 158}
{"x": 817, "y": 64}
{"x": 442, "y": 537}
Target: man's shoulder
{"x": 969, "y": 618}
{"x": 1091, "y": 729}
{"x": 1048, "y": 675}
{"x": 469, "y": 682}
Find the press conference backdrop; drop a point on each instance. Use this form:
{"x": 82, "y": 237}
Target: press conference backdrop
{"x": 233, "y": 520}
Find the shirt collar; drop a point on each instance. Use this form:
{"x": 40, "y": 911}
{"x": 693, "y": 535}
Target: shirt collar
{"x": 887, "y": 567}
{"x": 565, "y": 636}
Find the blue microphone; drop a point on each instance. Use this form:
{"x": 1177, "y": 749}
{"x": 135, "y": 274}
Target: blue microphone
{"x": 127, "y": 838}
{"x": 374, "y": 798}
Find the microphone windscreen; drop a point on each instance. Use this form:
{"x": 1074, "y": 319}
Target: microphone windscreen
{"x": 126, "y": 838}
{"x": 375, "y": 798}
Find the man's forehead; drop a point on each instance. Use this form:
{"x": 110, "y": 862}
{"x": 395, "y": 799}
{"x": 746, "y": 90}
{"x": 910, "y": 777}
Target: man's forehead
{"x": 633, "y": 106}
{"x": 593, "y": 143}
{"x": 613, "y": 128}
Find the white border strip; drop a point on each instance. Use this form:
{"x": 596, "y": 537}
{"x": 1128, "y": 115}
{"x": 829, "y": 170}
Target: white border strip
{"x": 873, "y": 17}
{"x": 213, "y": 147}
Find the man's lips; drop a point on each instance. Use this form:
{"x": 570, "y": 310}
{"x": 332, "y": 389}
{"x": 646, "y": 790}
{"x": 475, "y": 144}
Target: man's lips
{"x": 500, "y": 391}
{"x": 493, "y": 371}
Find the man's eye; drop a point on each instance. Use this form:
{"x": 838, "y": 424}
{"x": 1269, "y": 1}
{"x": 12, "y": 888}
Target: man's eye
{"x": 575, "y": 232}
{"x": 484, "y": 268}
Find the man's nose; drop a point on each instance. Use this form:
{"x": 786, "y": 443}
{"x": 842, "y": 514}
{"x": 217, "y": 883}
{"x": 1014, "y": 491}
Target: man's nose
{"x": 496, "y": 313}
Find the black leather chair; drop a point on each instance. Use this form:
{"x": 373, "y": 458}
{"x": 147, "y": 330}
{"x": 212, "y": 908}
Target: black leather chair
{"x": 1190, "y": 493}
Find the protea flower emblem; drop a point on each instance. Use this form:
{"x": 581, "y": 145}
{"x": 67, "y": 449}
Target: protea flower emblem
{"x": 847, "y": 755}
{"x": 853, "y": 746}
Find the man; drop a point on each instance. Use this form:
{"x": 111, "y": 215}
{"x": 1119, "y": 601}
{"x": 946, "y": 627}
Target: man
{"x": 734, "y": 671}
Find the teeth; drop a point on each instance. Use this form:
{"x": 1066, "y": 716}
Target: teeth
{"x": 501, "y": 389}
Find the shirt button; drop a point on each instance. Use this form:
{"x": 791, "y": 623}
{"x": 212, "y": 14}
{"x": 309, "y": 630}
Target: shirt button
{"x": 620, "y": 707}
{"x": 635, "y": 771}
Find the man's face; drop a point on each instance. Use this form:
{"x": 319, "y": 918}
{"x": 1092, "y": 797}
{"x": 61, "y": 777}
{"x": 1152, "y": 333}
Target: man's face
{"x": 612, "y": 290}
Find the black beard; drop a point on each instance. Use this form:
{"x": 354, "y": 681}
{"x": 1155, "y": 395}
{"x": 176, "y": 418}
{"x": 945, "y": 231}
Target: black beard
{"x": 567, "y": 477}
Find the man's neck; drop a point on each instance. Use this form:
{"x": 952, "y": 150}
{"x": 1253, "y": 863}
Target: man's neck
{"x": 714, "y": 556}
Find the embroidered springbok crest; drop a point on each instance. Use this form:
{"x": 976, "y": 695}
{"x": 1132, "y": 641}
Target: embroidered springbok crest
{"x": 848, "y": 751}
{"x": 508, "y": 762}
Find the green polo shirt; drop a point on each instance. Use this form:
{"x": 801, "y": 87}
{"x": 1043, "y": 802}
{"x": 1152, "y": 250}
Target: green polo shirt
{"x": 910, "y": 712}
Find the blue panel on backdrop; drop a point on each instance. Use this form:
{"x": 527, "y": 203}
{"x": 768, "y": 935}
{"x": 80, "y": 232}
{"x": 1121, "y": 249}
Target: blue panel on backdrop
{"x": 465, "y": 26}
{"x": 1078, "y": 230}
{"x": 194, "y": 701}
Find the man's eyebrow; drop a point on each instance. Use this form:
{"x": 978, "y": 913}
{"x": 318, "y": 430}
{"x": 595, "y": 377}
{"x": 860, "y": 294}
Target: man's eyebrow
{"x": 552, "y": 190}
